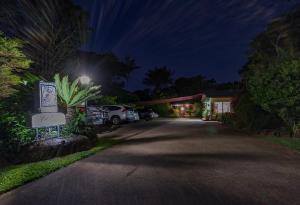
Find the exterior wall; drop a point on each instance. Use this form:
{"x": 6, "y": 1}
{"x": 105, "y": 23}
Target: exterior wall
{"x": 216, "y": 106}
{"x": 219, "y": 107}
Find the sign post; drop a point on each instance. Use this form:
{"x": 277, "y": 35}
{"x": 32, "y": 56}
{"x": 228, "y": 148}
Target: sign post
{"x": 48, "y": 116}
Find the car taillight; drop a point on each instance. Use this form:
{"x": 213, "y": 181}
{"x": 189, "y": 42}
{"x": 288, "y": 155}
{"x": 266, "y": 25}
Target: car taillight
{"x": 124, "y": 110}
{"x": 81, "y": 109}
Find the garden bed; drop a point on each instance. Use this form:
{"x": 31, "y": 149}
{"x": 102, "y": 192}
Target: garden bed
{"x": 50, "y": 148}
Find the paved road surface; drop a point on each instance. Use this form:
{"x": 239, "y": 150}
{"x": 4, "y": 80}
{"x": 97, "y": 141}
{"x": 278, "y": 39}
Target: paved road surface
{"x": 173, "y": 162}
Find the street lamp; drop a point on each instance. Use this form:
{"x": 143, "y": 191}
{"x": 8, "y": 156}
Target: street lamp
{"x": 85, "y": 80}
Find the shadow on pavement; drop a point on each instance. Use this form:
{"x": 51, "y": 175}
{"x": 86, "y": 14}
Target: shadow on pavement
{"x": 179, "y": 161}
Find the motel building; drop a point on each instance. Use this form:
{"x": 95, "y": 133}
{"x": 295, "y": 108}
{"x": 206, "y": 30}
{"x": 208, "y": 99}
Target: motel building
{"x": 210, "y": 105}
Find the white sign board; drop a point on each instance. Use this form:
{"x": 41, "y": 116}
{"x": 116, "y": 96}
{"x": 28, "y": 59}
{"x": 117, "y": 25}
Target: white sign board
{"x": 47, "y": 97}
{"x": 42, "y": 120}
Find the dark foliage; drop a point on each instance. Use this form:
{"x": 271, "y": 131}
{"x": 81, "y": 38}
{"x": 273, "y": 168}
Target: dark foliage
{"x": 14, "y": 133}
{"x": 105, "y": 69}
{"x": 271, "y": 75}
{"x": 164, "y": 110}
{"x": 252, "y": 117}
{"x": 143, "y": 95}
{"x": 14, "y": 114}
{"x": 193, "y": 85}
{"x": 52, "y": 29}
{"x": 159, "y": 78}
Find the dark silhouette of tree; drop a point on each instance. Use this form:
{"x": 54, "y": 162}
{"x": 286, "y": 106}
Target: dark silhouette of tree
{"x": 235, "y": 85}
{"x": 51, "y": 29}
{"x": 193, "y": 85}
{"x": 105, "y": 69}
{"x": 283, "y": 33}
{"x": 159, "y": 78}
{"x": 143, "y": 95}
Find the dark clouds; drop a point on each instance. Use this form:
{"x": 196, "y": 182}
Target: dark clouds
{"x": 208, "y": 37}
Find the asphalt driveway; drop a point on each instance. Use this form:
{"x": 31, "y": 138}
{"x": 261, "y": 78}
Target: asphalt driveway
{"x": 173, "y": 162}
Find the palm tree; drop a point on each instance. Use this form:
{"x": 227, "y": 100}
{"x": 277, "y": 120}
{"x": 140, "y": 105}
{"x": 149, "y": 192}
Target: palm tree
{"x": 71, "y": 94}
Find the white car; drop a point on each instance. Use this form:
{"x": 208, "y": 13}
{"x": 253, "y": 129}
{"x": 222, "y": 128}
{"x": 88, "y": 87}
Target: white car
{"x": 116, "y": 113}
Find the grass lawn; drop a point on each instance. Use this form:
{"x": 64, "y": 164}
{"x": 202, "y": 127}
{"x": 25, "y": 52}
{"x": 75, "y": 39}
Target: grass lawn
{"x": 291, "y": 143}
{"x": 17, "y": 175}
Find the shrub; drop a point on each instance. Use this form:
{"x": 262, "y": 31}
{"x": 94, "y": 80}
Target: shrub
{"x": 14, "y": 133}
{"x": 276, "y": 87}
{"x": 198, "y": 112}
{"x": 228, "y": 119}
{"x": 163, "y": 110}
{"x": 76, "y": 124}
{"x": 250, "y": 116}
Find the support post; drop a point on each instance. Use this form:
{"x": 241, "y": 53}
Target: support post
{"x": 36, "y": 133}
{"x": 58, "y": 131}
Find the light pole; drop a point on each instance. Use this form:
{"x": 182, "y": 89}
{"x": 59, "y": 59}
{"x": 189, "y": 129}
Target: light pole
{"x": 85, "y": 81}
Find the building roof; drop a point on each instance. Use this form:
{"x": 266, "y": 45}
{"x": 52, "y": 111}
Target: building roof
{"x": 173, "y": 100}
{"x": 209, "y": 93}
{"x": 221, "y": 93}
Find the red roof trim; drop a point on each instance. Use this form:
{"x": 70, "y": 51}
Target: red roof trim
{"x": 170, "y": 100}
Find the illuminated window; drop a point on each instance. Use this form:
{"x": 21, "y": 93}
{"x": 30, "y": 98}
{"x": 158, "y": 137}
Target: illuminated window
{"x": 222, "y": 107}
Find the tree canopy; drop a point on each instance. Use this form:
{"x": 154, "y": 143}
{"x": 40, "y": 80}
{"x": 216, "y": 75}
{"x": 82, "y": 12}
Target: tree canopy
{"x": 52, "y": 29}
{"x": 272, "y": 74}
{"x": 12, "y": 61}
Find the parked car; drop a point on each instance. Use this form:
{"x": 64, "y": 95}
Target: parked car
{"x": 116, "y": 113}
{"x": 136, "y": 115}
{"x": 131, "y": 114}
{"x": 147, "y": 114}
{"x": 96, "y": 115}
{"x": 155, "y": 115}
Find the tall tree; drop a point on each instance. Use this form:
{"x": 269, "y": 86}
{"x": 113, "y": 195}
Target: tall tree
{"x": 283, "y": 33}
{"x": 159, "y": 78}
{"x": 52, "y": 30}
{"x": 276, "y": 88}
{"x": 12, "y": 61}
{"x": 272, "y": 74}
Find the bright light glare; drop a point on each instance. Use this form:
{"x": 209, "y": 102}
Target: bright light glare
{"x": 84, "y": 80}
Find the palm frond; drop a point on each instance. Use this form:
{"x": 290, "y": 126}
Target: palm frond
{"x": 78, "y": 98}
{"x": 65, "y": 88}
{"x": 71, "y": 94}
{"x": 73, "y": 89}
{"x": 58, "y": 85}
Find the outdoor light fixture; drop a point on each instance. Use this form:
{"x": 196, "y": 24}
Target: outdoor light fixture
{"x": 84, "y": 79}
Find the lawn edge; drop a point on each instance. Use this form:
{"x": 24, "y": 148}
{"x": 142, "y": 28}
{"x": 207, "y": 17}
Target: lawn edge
{"x": 7, "y": 172}
{"x": 282, "y": 142}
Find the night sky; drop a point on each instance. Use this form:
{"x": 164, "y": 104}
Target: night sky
{"x": 208, "y": 37}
